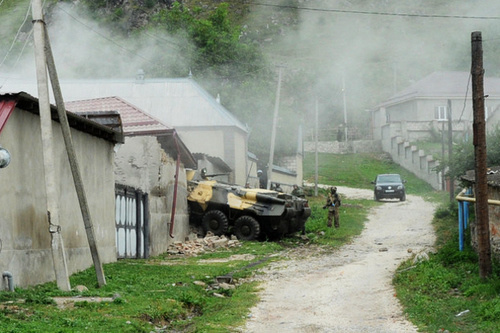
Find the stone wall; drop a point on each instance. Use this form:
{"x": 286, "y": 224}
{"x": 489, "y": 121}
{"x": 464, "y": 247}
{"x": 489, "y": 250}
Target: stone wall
{"x": 351, "y": 147}
{"x": 142, "y": 163}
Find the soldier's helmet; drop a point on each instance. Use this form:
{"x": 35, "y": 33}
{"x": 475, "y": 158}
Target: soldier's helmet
{"x": 333, "y": 189}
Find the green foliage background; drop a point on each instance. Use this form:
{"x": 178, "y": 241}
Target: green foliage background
{"x": 343, "y": 55}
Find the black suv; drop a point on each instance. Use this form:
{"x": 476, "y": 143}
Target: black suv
{"x": 389, "y": 186}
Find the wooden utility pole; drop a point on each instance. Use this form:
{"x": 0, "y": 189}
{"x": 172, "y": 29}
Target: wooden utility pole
{"x": 479, "y": 129}
{"x": 450, "y": 150}
{"x": 57, "y": 245}
{"x": 273, "y": 133}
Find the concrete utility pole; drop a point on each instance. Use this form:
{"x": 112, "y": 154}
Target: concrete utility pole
{"x": 58, "y": 254}
{"x": 45, "y": 60}
{"x": 273, "y": 133}
{"x": 450, "y": 150}
{"x": 345, "y": 108}
{"x": 75, "y": 169}
{"x": 316, "y": 165}
{"x": 479, "y": 129}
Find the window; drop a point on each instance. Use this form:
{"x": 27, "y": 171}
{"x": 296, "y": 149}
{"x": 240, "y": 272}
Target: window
{"x": 441, "y": 113}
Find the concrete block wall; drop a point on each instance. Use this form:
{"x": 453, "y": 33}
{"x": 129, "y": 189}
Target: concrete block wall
{"x": 351, "y": 147}
{"x": 415, "y": 160}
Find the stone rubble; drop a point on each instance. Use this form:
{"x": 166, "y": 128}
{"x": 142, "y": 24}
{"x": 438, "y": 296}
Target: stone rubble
{"x": 194, "y": 246}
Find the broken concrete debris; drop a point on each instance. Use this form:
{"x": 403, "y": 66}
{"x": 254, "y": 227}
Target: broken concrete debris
{"x": 195, "y": 246}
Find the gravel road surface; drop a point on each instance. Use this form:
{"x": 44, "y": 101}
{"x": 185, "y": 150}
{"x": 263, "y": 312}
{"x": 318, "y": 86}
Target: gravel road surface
{"x": 350, "y": 289}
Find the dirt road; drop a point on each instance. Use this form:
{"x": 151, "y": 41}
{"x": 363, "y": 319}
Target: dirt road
{"x": 349, "y": 290}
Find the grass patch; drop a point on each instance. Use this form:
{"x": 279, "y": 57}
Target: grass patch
{"x": 359, "y": 170}
{"x": 160, "y": 292}
{"x": 434, "y": 292}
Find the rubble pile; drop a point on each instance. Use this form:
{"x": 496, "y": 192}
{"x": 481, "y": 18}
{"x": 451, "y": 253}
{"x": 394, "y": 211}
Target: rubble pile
{"x": 194, "y": 246}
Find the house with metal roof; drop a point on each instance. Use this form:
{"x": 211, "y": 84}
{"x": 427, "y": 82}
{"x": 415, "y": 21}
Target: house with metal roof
{"x": 424, "y": 107}
{"x": 25, "y": 238}
{"x": 204, "y": 124}
{"x": 150, "y": 175}
{"x": 424, "y": 111}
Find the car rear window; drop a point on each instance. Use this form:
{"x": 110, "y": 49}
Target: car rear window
{"x": 389, "y": 179}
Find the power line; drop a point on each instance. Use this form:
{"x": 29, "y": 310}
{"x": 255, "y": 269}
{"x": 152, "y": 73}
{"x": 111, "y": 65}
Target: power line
{"x": 17, "y": 35}
{"x": 104, "y": 36}
{"x": 376, "y": 13}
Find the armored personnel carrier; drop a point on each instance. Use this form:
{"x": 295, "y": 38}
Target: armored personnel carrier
{"x": 248, "y": 213}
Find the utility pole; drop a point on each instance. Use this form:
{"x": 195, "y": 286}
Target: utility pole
{"x": 273, "y": 133}
{"x": 75, "y": 169}
{"x": 316, "y": 151}
{"x": 479, "y": 129}
{"x": 345, "y": 108}
{"x": 57, "y": 245}
{"x": 45, "y": 61}
{"x": 450, "y": 150}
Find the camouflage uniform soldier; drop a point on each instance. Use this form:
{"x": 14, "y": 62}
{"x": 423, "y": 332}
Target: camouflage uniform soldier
{"x": 333, "y": 203}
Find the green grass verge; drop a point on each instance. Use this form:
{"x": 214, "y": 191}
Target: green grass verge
{"x": 436, "y": 291}
{"x": 359, "y": 170}
{"x": 160, "y": 292}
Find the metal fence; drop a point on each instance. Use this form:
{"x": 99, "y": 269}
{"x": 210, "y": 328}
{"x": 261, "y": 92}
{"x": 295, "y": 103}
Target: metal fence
{"x": 132, "y": 222}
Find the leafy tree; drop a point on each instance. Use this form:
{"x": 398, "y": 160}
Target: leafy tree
{"x": 463, "y": 155}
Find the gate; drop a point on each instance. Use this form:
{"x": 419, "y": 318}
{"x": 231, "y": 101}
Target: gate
{"x": 132, "y": 222}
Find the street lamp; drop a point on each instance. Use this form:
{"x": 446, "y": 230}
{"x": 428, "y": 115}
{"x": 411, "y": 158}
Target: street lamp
{"x": 4, "y": 157}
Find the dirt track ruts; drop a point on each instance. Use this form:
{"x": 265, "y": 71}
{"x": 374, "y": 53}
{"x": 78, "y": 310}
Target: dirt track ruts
{"x": 349, "y": 290}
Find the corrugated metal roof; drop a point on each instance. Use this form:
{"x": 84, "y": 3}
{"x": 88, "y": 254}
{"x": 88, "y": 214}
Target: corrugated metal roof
{"x": 443, "y": 85}
{"x": 134, "y": 120}
{"x": 492, "y": 176}
{"x": 217, "y": 161}
{"x": 179, "y": 102}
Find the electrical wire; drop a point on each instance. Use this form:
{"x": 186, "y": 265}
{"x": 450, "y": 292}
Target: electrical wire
{"x": 465, "y": 97}
{"x": 218, "y": 57}
{"x": 17, "y": 35}
{"x": 104, "y": 36}
{"x": 345, "y": 11}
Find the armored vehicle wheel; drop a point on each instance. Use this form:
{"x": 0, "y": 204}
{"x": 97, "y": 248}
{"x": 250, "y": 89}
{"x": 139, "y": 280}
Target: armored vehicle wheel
{"x": 215, "y": 221}
{"x": 246, "y": 228}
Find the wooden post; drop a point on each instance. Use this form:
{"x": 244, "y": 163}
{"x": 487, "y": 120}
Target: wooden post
{"x": 57, "y": 245}
{"x": 75, "y": 169}
{"x": 479, "y": 128}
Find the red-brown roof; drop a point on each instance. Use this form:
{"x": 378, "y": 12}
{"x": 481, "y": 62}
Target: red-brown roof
{"x": 134, "y": 120}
